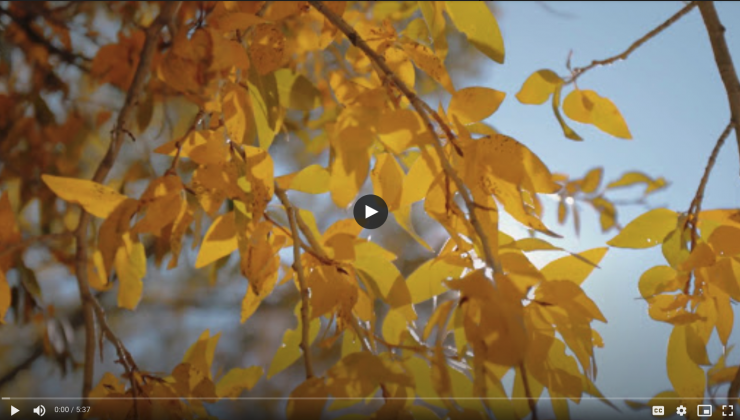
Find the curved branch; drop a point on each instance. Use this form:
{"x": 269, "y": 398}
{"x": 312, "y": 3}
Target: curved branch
{"x": 90, "y": 304}
{"x": 298, "y": 268}
{"x": 578, "y": 71}
{"x": 722, "y": 57}
{"x": 420, "y": 108}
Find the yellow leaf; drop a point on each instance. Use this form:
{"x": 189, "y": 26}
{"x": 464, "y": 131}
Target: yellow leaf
{"x": 592, "y": 180}
{"x": 474, "y": 104}
{"x": 570, "y": 297}
{"x": 387, "y": 177}
{"x": 725, "y": 240}
{"x": 429, "y": 63}
{"x": 674, "y": 248}
{"x": 399, "y": 62}
{"x": 475, "y": 20}
{"x": 252, "y": 300}
{"x": 130, "y": 262}
{"x": 290, "y": 351}
{"x": 435, "y": 20}
{"x": 427, "y": 281}
{"x": 631, "y": 178}
{"x": 202, "y": 147}
{"x": 96, "y": 274}
{"x": 569, "y": 132}
{"x": 5, "y": 299}
{"x": 657, "y": 280}
{"x": 307, "y": 401}
{"x": 586, "y": 106}
{"x": 234, "y": 21}
{"x": 538, "y": 87}
{"x": 420, "y": 177}
{"x": 220, "y": 240}
{"x": 686, "y": 376}
{"x": 388, "y": 282}
{"x": 394, "y": 327}
{"x": 402, "y": 129}
{"x": 575, "y": 268}
{"x": 296, "y": 91}
{"x": 201, "y": 353}
{"x": 726, "y": 276}
{"x": 238, "y": 115}
{"x": 439, "y": 319}
{"x": 265, "y": 103}
{"x": 313, "y": 179}
{"x": 701, "y": 256}
{"x": 238, "y": 380}
{"x": 359, "y": 374}
{"x": 725, "y": 318}
{"x": 266, "y": 47}
{"x": 95, "y": 198}
{"x": 647, "y": 230}
{"x": 403, "y": 218}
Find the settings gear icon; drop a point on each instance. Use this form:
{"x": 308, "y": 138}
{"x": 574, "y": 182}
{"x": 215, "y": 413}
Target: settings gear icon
{"x": 681, "y": 410}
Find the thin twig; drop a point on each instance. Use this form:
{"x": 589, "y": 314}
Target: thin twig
{"x": 578, "y": 71}
{"x": 32, "y": 240}
{"x": 89, "y": 302}
{"x": 298, "y": 268}
{"x": 528, "y": 391}
{"x": 722, "y": 57}
{"x": 181, "y": 141}
{"x": 695, "y": 207}
{"x": 420, "y": 108}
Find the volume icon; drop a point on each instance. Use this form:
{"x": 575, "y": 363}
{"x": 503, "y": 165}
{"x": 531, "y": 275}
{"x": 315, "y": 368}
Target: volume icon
{"x": 40, "y": 410}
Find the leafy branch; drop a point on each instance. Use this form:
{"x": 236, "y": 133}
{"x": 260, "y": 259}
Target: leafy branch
{"x": 722, "y": 57}
{"x": 90, "y": 304}
{"x": 421, "y": 109}
{"x": 578, "y": 71}
{"x": 30, "y": 241}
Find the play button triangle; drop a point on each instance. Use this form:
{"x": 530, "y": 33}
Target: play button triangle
{"x": 369, "y": 211}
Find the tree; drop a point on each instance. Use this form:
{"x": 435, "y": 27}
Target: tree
{"x": 227, "y": 94}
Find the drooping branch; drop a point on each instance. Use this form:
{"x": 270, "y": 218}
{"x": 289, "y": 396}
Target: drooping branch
{"x": 89, "y": 302}
{"x": 578, "y": 71}
{"x": 420, "y": 108}
{"x": 300, "y": 275}
{"x": 722, "y": 57}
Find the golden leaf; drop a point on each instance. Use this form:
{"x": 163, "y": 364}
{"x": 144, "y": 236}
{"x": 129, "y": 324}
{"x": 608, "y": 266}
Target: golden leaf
{"x": 266, "y": 47}
{"x": 238, "y": 380}
{"x": 647, "y": 230}
{"x": 475, "y": 20}
{"x": 219, "y": 241}
{"x": 538, "y": 87}
{"x": 686, "y": 376}
{"x": 586, "y": 106}
{"x": 130, "y": 262}
{"x": 473, "y": 104}
{"x": 429, "y": 63}
{"x": 95, "y": 198}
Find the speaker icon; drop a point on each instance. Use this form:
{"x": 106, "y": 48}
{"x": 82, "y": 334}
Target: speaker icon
{"x": 40, "y": 410}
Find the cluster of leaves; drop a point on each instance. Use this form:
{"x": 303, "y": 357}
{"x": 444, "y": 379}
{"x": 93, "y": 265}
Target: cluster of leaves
{"x": 694, "y": 292}
{"x": 251, "y": 71}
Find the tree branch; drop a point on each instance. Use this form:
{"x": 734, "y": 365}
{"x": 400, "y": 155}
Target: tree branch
{"x": 722, "y": 57}
{"x": 298, "y": 268}
{"x": 89, "y": 302}
{"x": 578, "y": 71}
{"x": 420, "y": 108}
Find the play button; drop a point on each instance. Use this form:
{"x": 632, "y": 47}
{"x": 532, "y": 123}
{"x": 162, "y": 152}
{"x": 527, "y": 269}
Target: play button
{"x": 370, "y": 211}
{"x": 13, "y": 410}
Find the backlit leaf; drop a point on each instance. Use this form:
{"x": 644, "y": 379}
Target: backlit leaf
{"x": 538, "y": 87}
{"x": 427, "y": 281}
{"x": 647, "y": 230}
{"x": 686, "y": 376}
{"x": 586, "y": 106}
{"x": 130, "y": 265}
{"x": 289, "y": 351}
{"x": 429, "y": 63}
{"x": 95, "y": 198}
{"x": 474, "y": 104}
{"x": 313, "y": 179}
{"x": 725, "y": 240}
{"x": 575, "y": 268}
{"x": 567, "y": 131}
{"x": 219, "y": 241}
{"x": 475, "y": 20}
{"x": 631, "y": 178}
{"x": 238, "y": 380}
